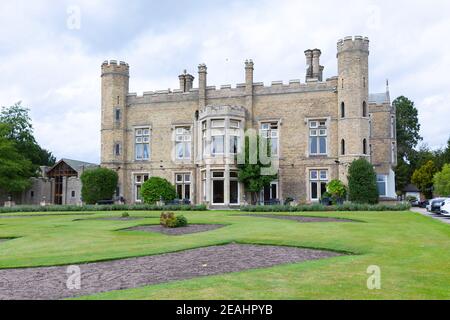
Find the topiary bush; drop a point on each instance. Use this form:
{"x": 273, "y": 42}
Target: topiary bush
{"x": 169, "y": 220}
{"x": 362, "y": 183}
{"x": 155, "y": 189}
{"x": 98, "y": 184}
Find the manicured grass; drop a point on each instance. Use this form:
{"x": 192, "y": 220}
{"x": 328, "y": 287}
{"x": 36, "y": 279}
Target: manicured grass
{"x": 411, "y": 250}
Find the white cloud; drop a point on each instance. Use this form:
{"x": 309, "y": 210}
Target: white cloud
{"x": 57, "y": 71}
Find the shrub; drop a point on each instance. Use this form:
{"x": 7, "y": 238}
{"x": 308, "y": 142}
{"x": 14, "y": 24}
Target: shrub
{"x": 155, "y": 189}
{"x": 362, "y": 183}
{"x": 98, "y": 184}
{"x": 93, "y": 208}
{"x": 169, "y": 220}
{"x": 125, "y": 215}
{"x": 337, "y": 189}
{"x": 348, "y": 206}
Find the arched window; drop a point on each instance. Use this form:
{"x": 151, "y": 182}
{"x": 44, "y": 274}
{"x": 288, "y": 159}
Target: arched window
{"x": 364, "y": 146}
{"x": 342, "y": 147}
{"x": 364, "y": 111}
{"x": 342, "y": 110}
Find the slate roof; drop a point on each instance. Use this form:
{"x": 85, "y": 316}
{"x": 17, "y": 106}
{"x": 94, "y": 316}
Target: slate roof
{"x": 379, "y": 98}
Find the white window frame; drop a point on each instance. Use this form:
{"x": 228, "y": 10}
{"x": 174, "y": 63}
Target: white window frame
{"x": 318, "y": 129}
{"x": 135, "y": 183}
{"x": 183, "y": 137}
{"x": 142, "y": 136}
{"x": 183, "y": 183}
{"x": 212, "y": 186}
{"x": 317, "y": 176}
{"x": 236, "y": 179}
{"x": 270, "y": 130}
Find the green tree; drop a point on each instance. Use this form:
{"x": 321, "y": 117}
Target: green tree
{"x": 423, "y": 178}
{"x": 441, "y": 181}
{"x": 362, "y": 182}
{"x": 251, "y": 167}
{"x": 21, "y": 132}
{"x": 155, "y": 189}
{"x": 98, "y": 184}
{"x": 15, "y": 170}
{"x": 408, "y": 126}
{"x": 408, "y": 137}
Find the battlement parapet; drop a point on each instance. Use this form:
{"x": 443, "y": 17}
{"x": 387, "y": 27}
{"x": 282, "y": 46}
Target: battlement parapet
{"x": 353, "y": 43}
{"x": 222, "y": 110}
{"x": 114, "y": 67}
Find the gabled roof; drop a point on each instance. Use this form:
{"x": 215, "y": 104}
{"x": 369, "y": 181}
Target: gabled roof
{"x": 379, "y": 98}
{"x": 76, "y": 165}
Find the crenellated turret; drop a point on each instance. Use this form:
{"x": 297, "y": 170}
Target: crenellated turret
{"x": 115, "y": 85}
{"x": 353, "y": 95}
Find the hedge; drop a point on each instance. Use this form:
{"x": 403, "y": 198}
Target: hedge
{"x": 322, "y": 208}
{"x": 91, "y": 208}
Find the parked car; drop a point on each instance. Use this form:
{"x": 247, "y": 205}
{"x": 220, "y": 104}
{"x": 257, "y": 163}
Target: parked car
{"x": 423, "y": 204}
{"x": 414, "y": 203}
{"x": 445, "y": 208}
{"x": 435, "y": 206}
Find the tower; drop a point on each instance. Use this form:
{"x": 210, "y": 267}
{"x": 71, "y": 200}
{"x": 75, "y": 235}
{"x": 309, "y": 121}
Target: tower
{"x": 115, "y": 85}
{"x": 353, "y": 95}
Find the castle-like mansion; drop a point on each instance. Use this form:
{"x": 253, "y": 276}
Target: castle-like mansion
{"x": 190, "y": 136}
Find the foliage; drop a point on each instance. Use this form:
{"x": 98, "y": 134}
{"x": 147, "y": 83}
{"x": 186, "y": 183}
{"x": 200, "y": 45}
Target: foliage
{"x": 442, "y": 181}
{"x": 155, "y": 189}
{"x": 402, "y": 175}
{"x": 322, "y": 208}
{"x": 98, "y": 184}
{"x": 337, "y": 189}
{"x": 250, "y": 174}
{"x": 411, "y": 198}
{"x": 362, "y": 182}
{"x": 125, "y": 215}
{"x": 15, "y": 170}
{"x": 423, "y": 178}
{"x": 96, "y": 208}
{"x": 408, "y": 126}
{"x": 21, "y": 133}
{"x": 170, "y": 220}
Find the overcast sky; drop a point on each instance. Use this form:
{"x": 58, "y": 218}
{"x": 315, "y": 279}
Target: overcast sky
{"x": 50, "y": 59}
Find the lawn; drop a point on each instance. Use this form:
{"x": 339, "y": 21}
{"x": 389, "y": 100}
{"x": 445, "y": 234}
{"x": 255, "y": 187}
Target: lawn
{"x": 412, "y": 251}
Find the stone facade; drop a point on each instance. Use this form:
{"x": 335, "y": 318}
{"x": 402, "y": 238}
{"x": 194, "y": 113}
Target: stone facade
{"x": 189, "y": 135}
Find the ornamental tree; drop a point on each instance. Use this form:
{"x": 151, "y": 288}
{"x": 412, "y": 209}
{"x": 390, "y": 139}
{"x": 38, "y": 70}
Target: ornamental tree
{"x": 423, "y": 178}
{"x": 255, "y": 168}
{"x": 441, "y": 181}
{"x": 362, "y": 182}
{"x": 155, "y": 189}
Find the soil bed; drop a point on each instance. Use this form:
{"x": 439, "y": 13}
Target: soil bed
{"x": 51, "y": 282}
{"x": 298, "y": 218}
{"x": 192, "y": 228}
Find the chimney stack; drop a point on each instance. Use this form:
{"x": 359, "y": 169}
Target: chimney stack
{"x": 186, "y": 81}
{"x": 314, "y": 70}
